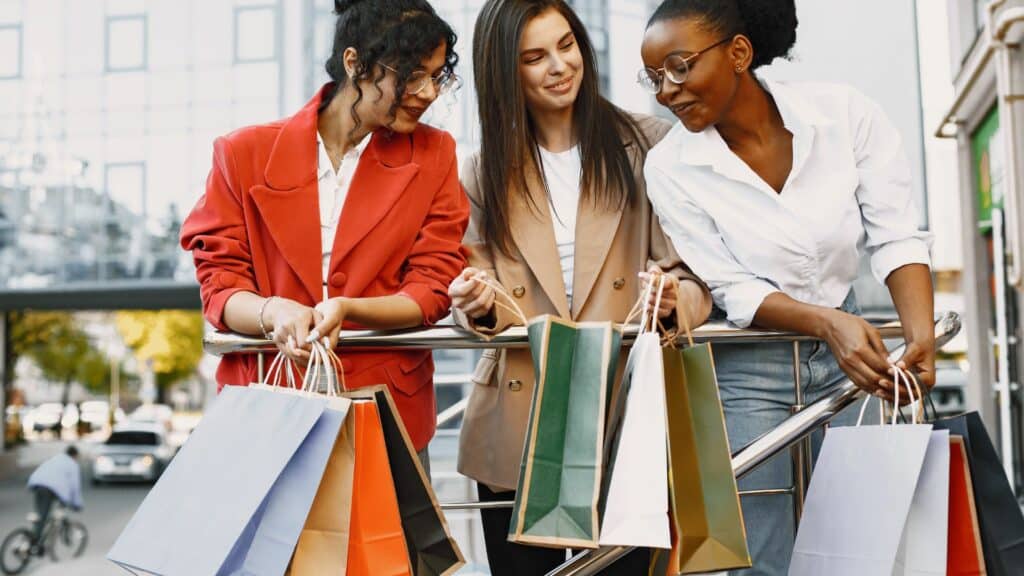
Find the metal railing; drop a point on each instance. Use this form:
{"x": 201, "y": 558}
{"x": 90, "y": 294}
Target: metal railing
{"x": 793, "y": 433}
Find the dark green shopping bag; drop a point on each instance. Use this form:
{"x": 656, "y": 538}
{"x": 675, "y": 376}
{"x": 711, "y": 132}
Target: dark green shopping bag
{"x": 563, "y": 457}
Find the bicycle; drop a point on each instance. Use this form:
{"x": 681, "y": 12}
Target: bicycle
{"x": 62, "y": 538}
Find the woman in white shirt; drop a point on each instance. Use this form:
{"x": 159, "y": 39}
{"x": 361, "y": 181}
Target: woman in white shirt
{"x": 559, "y": 218}
{"x": 768, "y": 191}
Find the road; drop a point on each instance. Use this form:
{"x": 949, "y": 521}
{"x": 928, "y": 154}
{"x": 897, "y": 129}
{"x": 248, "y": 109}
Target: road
{"x": 108, "y": 508}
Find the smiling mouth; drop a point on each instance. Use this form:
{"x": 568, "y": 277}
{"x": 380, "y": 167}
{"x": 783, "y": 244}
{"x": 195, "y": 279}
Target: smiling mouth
{"x": 561, "y": 86}
{"x": 680, "y": 109}
{"x": 414, "y": 111}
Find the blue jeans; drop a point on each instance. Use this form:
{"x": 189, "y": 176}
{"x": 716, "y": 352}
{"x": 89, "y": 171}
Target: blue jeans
{"x": 757, "y": 389}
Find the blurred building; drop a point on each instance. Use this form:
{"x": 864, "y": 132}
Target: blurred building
{"x": 983, "y": 120}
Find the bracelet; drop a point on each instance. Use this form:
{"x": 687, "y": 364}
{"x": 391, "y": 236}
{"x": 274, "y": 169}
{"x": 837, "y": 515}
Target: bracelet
{"x": 259, "y": 318}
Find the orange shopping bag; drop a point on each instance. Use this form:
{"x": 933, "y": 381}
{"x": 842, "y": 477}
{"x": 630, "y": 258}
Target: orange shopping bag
{"x": 964, "y": 556}
{"x": 376, "y": 542}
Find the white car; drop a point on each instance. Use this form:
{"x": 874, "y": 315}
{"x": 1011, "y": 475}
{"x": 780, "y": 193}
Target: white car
{"x": 95, "y": 415}
{"x": 134, "y": 451}
{"x": 160, "y": 414}
{"x": 47, "y": 417}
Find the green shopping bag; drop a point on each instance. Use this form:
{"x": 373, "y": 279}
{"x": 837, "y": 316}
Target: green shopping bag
{"x": 563, "y": 457}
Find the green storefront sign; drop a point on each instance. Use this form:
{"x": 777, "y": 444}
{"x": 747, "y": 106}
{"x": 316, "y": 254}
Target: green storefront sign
{"x": 989, "y": 165}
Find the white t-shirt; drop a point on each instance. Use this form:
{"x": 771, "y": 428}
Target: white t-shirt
{"x": 562, "y": 171}
{"x": 333, "y": 187}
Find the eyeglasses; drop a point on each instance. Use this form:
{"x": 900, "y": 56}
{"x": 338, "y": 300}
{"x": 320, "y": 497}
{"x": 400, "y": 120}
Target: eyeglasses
{"x": 445, "y": 81}
{"x": 676, "y": 68}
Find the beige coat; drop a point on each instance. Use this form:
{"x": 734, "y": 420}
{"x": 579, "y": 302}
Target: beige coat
{"x": 611, "y": 248}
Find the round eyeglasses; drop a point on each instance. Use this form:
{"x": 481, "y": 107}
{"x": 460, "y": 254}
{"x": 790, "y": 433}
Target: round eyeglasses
{"x": 676, "y": 68}
{"x": 445, "y": 81}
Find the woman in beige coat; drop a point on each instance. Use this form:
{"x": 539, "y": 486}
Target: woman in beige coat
{"x": 560, "y": 219}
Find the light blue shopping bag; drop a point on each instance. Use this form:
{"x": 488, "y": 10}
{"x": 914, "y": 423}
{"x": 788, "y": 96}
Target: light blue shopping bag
{"x": 268, "y": 542}
{"x": 193, "y": 517}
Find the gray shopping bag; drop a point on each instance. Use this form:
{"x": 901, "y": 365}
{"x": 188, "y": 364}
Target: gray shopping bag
{"x": 193, "y": 517}
{"x": 859, "y": 499}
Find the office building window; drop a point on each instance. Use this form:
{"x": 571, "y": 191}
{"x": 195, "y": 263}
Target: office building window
{"x": 255, "y": 34}
{"x": 125, "y": 185}
{"x": 126, "y": 43}
{"x": 10, "y": 51}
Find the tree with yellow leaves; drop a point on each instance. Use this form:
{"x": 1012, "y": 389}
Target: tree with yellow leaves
{"x": 171, "y": 340}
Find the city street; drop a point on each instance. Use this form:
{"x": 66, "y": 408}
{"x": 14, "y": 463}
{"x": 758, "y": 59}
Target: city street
{"x": 108, "y": 508}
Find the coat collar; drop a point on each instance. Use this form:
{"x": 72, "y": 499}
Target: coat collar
{"x": 289, "y": 202}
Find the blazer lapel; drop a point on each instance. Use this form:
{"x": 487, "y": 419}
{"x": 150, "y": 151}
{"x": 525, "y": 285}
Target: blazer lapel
{"x": 289, "y": 202}
{"x": 535, "y": 236}
{"x": 596, "y": 228}
{"x": 382, "y": 176}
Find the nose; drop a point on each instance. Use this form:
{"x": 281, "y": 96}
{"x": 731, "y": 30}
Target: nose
{"x": 429, "y": 92}
{"x": 668, "y": 88}
{"x": 557, "y": 64}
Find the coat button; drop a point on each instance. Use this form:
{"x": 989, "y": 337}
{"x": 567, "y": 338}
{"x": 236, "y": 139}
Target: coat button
{"x": 618, "y": 283}
{"x": 338, "y": 279}
{"x": 515, "y": 385}
{"x": 519, "y": 291}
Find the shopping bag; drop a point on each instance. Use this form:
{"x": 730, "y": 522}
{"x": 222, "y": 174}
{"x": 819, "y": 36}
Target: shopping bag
{"x": 999, "y": 515}
{"x": 859, "y": 498}
{"x": 636, "y": 503}
{"x": 707, "y": 521}
{"x": 322, "y": 546}
{"x": 432, "y": 548}
{"x": 377, "y": 544}
{"x": 560, "y": 478}
{"x": 964, "y": 555}
{"x": 191, "y": 520}
{"x": 922, "y": 550}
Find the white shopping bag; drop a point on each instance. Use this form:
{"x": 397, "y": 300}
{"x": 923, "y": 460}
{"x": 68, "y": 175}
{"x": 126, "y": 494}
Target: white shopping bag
{"x": 636, "y": 501}
{"x": 922, "y": 550}
{"x": 859, "y": 499}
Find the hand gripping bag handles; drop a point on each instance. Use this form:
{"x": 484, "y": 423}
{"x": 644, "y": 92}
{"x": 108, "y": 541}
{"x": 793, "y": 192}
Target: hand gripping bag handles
{"x": 560, "y": 477}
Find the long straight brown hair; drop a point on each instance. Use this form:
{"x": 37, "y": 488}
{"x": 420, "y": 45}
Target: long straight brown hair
{"x": 509, "y": 150}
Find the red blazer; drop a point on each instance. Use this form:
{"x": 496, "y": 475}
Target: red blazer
{"x": 257, "y": 228}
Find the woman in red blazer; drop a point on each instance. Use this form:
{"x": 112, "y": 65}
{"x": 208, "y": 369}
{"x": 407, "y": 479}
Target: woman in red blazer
{"x": 348, "y": 213}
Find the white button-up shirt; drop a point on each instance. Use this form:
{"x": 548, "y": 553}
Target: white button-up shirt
{"x": 333, "y": 187}
{"x": 849, "y": 187}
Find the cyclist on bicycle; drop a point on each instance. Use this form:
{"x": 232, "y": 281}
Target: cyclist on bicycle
{"x": 57, "y": 479}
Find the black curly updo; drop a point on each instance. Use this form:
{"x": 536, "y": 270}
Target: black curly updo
{"x": 769, "y": 24}
{"x": 396, "y": 33}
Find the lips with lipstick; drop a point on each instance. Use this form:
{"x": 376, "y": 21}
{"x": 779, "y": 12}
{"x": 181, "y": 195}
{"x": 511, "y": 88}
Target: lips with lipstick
{"x": 562, "y": 86}
{"x": 683, "y": 108}
{"x": 413, "y": 112}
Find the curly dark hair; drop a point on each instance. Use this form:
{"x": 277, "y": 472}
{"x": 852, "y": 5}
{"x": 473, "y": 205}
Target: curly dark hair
{"x": 397, "y": 33}
{"x": 769, "y": 24}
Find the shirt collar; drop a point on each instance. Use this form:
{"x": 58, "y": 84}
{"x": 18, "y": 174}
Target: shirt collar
{"x": 324, "y": 165}
{"x": 798, "y": 114}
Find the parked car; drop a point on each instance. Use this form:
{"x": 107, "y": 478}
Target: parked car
{"x": 134, "y": 451}
{"x": 160, "y": 414}
{"x": 95, "y": 415}
{"x": 47, "y": 417}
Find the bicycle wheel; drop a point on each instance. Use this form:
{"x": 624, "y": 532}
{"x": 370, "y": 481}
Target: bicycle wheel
{"x": 68, "y": 540}
{"x": 16, "y": 551}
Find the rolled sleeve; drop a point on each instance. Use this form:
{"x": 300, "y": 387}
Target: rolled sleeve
{"x": 893, "y": 255}
{"x": 699, "y": 243}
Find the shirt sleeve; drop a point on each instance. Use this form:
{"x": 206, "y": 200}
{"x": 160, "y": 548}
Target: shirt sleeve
{"x": 75, "y": 488}
{"x": 884, "y": 193}
{"x": 696, "y": 238}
